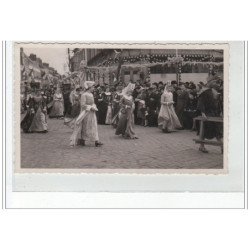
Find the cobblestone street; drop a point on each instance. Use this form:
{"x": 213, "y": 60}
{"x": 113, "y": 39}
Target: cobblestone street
{"x": 153, "y": 149}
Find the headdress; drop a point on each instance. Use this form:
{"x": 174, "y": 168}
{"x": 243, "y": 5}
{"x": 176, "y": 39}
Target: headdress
{"x": 168, "y": 84}
{"x": 88, "y": 84}
{"x": 129, "y": 87}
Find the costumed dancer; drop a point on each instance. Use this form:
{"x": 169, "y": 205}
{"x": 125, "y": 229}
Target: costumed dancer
{"x": 58, "y": 105}
{"x": 85, "y": 128}
{"x": 35, "y": 119}
{"x": 125, "y": 125}
{"x": 167, "y": 118}
{"x": 116, "y": 106}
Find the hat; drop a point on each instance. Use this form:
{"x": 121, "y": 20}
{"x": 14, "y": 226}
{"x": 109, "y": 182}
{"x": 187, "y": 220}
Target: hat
{"x": 88, "y": 84}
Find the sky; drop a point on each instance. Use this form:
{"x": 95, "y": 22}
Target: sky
{"x": 56, "y": 57}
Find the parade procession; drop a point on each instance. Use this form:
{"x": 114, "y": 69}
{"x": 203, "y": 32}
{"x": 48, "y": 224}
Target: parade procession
{"x": 101, "y": 97}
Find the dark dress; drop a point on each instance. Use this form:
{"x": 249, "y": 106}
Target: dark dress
{"x": 35, "y": 119}
{"x": 208, "y": 104}
{"x": 125, "y": 125}
{"x": 27, "y": 120}
{"x": 116, "y": 108}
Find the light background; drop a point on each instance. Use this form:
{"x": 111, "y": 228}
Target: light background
{"x": 123, "y": 229}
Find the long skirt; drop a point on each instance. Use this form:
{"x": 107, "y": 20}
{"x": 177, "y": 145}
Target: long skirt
{"x": 57, "y": 109}
{"x": 27, "y": 121}
{"x": 115, "y": 119}
{"x": 125, "y": 125}
{"x": 85, "y": 128}
{"x": 39, "y": 122}
{"x": 115, "y": 115}
{"x": 168, "y": 119}
{"x": 109, "y": 115}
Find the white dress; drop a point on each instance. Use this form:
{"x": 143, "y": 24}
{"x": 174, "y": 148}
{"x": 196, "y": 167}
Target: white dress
{"x": 167, "y": 117}
{"x": 86, "y": 123}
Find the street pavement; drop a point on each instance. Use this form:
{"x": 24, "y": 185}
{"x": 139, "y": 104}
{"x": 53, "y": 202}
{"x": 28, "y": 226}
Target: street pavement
{"x": 153, "y": 149}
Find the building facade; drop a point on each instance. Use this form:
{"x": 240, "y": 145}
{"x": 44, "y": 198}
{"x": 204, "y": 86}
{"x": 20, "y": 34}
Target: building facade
{"x": 155, "y": 64}
{"x": 34, "y": 70}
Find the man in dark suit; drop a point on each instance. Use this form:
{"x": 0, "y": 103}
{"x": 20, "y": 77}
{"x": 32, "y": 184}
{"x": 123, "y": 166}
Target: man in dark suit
{"x": 182, "y": 100}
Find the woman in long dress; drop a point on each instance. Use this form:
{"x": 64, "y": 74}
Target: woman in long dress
{"x": 85, "y": 127}
{"x": 116, "y": 106}
{"x": 108, "y": 95}
{"x": 58, "y": 105}
{"x": 35, "y": 119}
{"x": 125, "y": 125}
{"x": 167, "y": 118}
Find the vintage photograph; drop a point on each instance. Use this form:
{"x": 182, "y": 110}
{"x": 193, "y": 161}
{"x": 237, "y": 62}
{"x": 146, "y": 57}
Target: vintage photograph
{"x": 121, "y": 106}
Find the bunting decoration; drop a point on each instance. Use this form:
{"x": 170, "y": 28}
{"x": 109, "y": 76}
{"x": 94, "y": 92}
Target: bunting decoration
{"x": 158, "y": 59}
{"x": 168, "y": 63}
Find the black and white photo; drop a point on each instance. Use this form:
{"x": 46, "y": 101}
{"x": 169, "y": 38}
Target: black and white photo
{"x": 120, "y": 107}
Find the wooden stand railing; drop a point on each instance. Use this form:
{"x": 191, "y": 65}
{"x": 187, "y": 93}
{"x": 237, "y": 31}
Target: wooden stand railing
{"x": 201, "y": 139}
